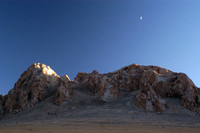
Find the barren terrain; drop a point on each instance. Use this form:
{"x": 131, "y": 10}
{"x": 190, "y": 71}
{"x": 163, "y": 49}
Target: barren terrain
{"x": 83, "y": 114}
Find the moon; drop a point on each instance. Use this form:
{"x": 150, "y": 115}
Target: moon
{"x": 140, "y": 17}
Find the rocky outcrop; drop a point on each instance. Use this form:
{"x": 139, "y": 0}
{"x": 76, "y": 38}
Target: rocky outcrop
{"x": 103, "y": 87}
{"x": 157, "y": 84}
{"x": 179, "y": 85}
{"x": 64, "y": 90}
{"x": 35, "y": 84}
{"x": 148, "y": 99}
{"x": 126, "y": 78}
{"x": 152, "y": 83}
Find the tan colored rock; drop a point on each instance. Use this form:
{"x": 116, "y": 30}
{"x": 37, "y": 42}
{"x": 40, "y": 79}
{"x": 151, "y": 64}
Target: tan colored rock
{"x": 35, "y": 84}
{"x": 180, "y": 85}
{"x": 64, "y": 90}
{"x": 168, "y": 84}
{"x": 81, "y": 78}
{"x": 65, "y": 78}
{"x": 147, "y": 99}
{"x": 103, "y": 87}
{"x": 152, "y": 83}
{"x": 126, "y": 78}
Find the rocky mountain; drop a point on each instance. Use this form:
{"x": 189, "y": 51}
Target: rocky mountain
{"x": 34, "y": 85}
{"x": 153, "y": 84}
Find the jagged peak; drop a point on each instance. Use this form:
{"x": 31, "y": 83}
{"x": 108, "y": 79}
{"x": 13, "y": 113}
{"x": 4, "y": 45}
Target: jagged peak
{"x": 39, "y": 67}
{"x": 65, "y": 78}
{"x": 36, "y": 83}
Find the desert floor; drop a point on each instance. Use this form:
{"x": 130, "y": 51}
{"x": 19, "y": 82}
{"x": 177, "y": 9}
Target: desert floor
{"x": 84, "y": 127}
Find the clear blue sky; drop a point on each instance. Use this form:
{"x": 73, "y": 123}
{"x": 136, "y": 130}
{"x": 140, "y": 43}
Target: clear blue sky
{"x": 79, "y": 36}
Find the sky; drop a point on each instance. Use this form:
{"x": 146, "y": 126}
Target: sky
{"x": 83, "y": 35}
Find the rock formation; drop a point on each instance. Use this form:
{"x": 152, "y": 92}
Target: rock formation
{"x": 1, "y": 104}
{"x": 152, "y": 83}
{"x": 64, "y": 90}
{"x": 102, "y": 86}
{"x": 35, "y": 84}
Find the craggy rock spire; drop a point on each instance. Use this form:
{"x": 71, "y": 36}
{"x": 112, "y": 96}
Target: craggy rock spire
{"x": 35, "y": 84}
{"x": 64, "y": 89}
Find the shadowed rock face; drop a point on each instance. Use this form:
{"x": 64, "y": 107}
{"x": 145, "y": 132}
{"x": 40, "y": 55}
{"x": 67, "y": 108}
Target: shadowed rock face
{"x": 151, "y": 83}
{"x": 35, "y": 84}
{"x": 1, "y": 104}
{"x": 64, "y": 90}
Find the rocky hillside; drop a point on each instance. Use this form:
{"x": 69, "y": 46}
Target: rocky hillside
{"x": 34, "y": 85}
{"x": 152, "y": 84}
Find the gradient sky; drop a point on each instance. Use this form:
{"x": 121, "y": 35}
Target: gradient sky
{"x": 80, "y": 36}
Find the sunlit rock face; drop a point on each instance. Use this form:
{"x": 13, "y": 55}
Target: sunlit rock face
{"x": 35, "y": 84}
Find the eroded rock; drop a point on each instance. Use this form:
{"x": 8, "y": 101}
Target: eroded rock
{"x": 152, "y": 83}
{"x": 166, "y": 85}
{"x": 35, "y": 84}
{"x": 64, "y": 90}
{"x": 147, "y": 99}
{"x": 103, "y": 87}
